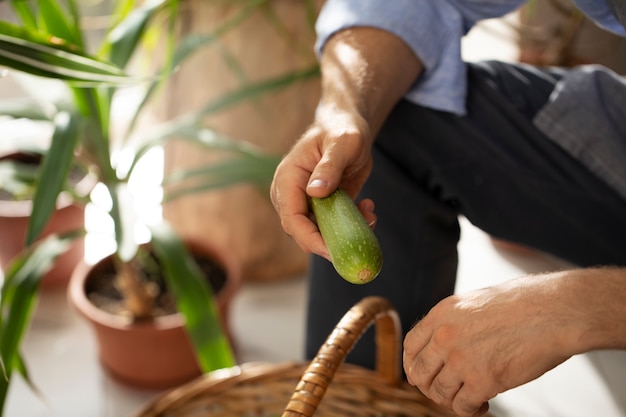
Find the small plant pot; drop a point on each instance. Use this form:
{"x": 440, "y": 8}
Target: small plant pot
{"x": 69, "y": 216}
{"x": 14, "y": 217}
{"x": 154, "y": 354}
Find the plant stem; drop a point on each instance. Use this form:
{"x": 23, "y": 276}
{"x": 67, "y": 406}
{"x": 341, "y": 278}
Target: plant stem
{"x": 137, "y": 294}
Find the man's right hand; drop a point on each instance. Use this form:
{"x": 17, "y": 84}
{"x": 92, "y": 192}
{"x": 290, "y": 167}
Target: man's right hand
{"x": 334, "y": 152}
{"x": 365, "y": 71}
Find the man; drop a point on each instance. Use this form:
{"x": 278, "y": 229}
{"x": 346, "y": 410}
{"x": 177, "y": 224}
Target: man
{"x": 530, "y": 155}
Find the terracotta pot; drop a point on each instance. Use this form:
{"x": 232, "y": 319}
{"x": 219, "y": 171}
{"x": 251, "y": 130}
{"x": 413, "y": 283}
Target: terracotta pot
{"x": 14, "y": 223}
{"x": 14, "y": 217}
{"x": 150, "y": 355}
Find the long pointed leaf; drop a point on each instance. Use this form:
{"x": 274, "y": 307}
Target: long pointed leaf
{"x": 159, "y": 81}
{"x": 22, "y": 369}
{"x": 185, "y": 49}
{"x": 18, "y": 178}
{"x": 25, "y": 12}
{"x": 50, "y": 61}
{"x": 56, "y": 21}
{"x": 234, "y": 171}
{"x": 193, "y": 43}
{"x": 121, "y": 10}
{"x": 257, "y": 89}
{"x": 187, "y": 123}
{"x": 311, "y": 14}
{"x": 283, "y": 31}
{"x": 194, "y": 298}
{"x": 55, "y": 167}
{"x": 200, "y": 136}
{"x": 121, "y": 42}
{"x": 18, "y": 297}
{"x": 94, "y": 105}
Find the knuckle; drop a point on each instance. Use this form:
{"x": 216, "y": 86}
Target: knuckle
{"x": 444, "y": 334}
{"x": 440, "y": 393}
{"x": 419, "y": 374}
{"x": 422, "y": 367}
{"x": 471, "y": 401}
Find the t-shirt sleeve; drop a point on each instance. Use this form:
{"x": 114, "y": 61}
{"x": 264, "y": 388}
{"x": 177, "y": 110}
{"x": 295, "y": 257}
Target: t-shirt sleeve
{"x": 433, "y": 29}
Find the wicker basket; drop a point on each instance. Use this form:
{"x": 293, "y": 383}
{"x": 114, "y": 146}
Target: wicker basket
{"x": 326, "y": 386}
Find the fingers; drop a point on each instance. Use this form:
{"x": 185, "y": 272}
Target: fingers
{"x": 291, "y": 204}
{"x": 317, "y": 165}
{"x": 366, "y": 206}
{"x": 446, "y": 387}
{"x": 414, "y": 342}
{"x": 464, "y": 405}
{"x": 337, "y": 166}
{"x": 440, "y": 375}
{"x": 440, "y": 382}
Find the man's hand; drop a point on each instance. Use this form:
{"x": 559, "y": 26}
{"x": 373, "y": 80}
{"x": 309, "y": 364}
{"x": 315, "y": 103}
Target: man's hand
{"x": 471, "y": 347}
{"x": 334, "y": 152}
{"x": 365, "y": 71}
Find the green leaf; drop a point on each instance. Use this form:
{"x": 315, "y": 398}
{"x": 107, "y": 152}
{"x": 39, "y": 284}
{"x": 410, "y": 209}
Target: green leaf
{"x": 244, "y": 169}
{"x": 122, "y": 9}
{"x": 204, "y": 137}
{"x": 56, "y": 21}
{"x": 20, "y": 367}
{"x": 187, "y": 125}
{"x": 18, "y": 297}
{"x": 311, "y": 14}
{"x": 122, "y": 41}
{"x": 18, "y": 178}
{"x": 25, "y": 12}
{"x": 283, "y": 31}
{"x": 194, "y": 299}
{"x": 254, "y": 90}
{"x": 193, "y": 43}
{"x": 94, "y": 105}
{"x": 55, "y": 167}
{"x": 49, "y": 60}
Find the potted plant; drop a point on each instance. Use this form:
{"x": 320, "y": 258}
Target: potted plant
{"x": 49, "y": 43}
{"x": 19, "y": 162}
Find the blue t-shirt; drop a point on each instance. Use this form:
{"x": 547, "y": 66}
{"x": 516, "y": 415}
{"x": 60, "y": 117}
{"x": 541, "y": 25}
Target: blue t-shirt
{"x": 433, "y": 29}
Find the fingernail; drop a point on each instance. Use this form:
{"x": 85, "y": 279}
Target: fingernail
{"x": 317, "y": 183}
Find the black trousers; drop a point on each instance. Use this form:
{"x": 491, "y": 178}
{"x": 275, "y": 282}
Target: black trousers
{"x": 492, "y": 166}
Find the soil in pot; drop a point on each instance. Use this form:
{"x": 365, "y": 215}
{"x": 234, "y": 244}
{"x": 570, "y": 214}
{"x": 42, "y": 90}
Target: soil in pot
{"x": 103, "y": 293}
{"x": 151, "y": 353}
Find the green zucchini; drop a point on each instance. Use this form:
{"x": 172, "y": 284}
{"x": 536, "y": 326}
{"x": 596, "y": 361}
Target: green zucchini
{"x": 354, "y": 249}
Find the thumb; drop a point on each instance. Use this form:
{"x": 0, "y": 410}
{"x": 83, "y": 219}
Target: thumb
{"x": 325, "y": 178}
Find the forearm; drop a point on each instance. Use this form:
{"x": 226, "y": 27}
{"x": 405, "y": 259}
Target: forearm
{"x": 599, "y": 297}
{"x": 366, "y": 70}
{"x": 497, "y": 338}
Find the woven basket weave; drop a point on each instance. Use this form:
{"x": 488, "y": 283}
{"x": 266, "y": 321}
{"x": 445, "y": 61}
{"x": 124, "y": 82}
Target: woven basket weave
{"x": 325, "y": 387}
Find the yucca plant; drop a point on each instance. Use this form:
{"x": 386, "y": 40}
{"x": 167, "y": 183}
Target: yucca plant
{"x": 48, "y": 41}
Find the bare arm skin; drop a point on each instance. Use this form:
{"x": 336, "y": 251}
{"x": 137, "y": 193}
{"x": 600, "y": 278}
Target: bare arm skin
{"x": 471, "y": 347}
{"x": 365, "y": 71}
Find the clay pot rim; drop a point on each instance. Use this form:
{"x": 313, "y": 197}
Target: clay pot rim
{"x": 23, "y": 208}
{"x": 78, "y": 297}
